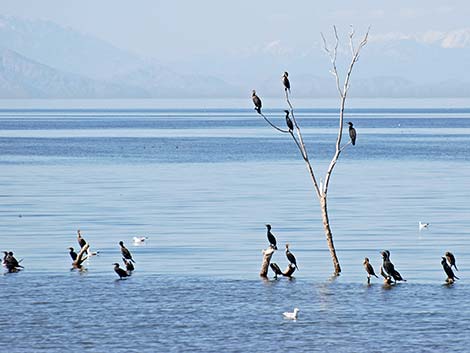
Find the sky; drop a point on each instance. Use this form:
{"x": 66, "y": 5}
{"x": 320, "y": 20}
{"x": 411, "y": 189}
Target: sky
{"x": 176, "y": 30}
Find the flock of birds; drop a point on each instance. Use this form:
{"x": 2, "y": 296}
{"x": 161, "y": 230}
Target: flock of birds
{"x": 13, "y": 265}
{"x": 285, "y": 81}
{"x": 387, "y": 269}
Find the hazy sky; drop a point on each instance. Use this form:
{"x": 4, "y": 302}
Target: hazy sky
{"x": 174, "y": 30}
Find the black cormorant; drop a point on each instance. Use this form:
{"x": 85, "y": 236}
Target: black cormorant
{"x": 277, "y": 271}
{"x": 129, "y": 265}
{"x": 81, "y": 241}
{"x": 11, "y": 263}
{"x": 125, "y": 252}
{"x": 271, "y": 238}
{"x": 291, "y": 257}
{"x": 369, "y": 269}
{"x": 389, "y": 267}
{"x": 256, "y": 101}
{"x": 285, "y": 81}
{"x": 450, "y": 274}
{"x": 120, "y": 272}
{"x": 73, "y": 254}
{"x": 352, "y": 133}
{"x": 289, "y": 123}
{"x": 451, "y": 259}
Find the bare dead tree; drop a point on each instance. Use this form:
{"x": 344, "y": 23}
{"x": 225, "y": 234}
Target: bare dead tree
{"x": 321, "y": 189}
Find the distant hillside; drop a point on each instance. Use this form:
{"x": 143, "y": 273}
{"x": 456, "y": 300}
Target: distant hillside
{"x": 24, "y": 78}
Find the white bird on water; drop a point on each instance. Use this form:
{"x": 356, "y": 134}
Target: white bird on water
{"x": 139, "y": 239}
{"x": 423, "y": 225}
{"x": 291, "y": 316}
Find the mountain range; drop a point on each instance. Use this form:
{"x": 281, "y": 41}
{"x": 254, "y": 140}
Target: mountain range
{"x": 40, "y": 59}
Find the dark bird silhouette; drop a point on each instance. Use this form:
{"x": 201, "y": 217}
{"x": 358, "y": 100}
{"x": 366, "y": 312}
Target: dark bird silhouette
{"x": 352, "y": 133}
{"x": 448, "y": 270}
{"x": 387, "y": 278}
{"x": 73, "y": 254}
{"x": 451, "y": 259}
{"x": 125, "y": 252}
{"x": 285, "y": 81}
{"x": 276, "y": 269}
{"x": 291, "y": 257}
{"x": 271, "y": 238}
{"x": 81, "y": 241}
{"x": 120, "y": 272}
{"x": 5, "y": 255}
{"x": 389, "y": 267}
{"x": 257, "y": 102}
{"x": 11, "y": 263}
{"x": 129, "y": 265}
{"x": 289, "y": 123}
{"x": 369, "y": 269}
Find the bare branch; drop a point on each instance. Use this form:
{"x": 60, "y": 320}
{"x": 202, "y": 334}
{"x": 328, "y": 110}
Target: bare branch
{"x": 351, "y": 43}
{"x": 301, "y": 146}
{"x": 272, "y": 125}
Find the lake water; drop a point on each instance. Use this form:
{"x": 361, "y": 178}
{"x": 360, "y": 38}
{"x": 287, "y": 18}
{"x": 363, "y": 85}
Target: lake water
{"x": 201, "y": 182}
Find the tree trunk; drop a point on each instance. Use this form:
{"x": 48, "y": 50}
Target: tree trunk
{"x": 267, "y": 254}
{"x": 328, "y": 234}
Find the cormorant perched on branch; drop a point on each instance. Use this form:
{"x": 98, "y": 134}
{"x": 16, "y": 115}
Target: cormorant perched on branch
{"x": 271, "y": 238}
{"x": 73, "y": 254}
{"x": 389, "y": 268}
{"x": 120, "y": 272}
{"x": 369, "y": 269}
{"x": 277, "y": 271}
{"x": 291, "y": 257}
{"x": 129, "y": 265}
{"x": 289, "y": 123}
{"x": 81, "y": 241}
{"x": 352, "y": 133}
{"x": 451, "y": 259}
{"x": 11, "y": 263}
{"x": 450, "y": 274}
{"x": 125, "y": 252}
{"x": 285, "y": 81}
{"x": 257, "y": 102}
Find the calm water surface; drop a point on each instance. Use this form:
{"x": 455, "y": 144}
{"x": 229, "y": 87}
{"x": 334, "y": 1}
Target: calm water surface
{"x": 201, "y": 184}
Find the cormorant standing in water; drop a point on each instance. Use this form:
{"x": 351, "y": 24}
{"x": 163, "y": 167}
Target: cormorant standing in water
{"x": 291, "y": 257}
{"x": 389, "y": 267}
{"x": 450, "y": 274}
{"x": 129, "y": 265}
{"x": 289, "y": 123}
{"x": 369, "y": 270}
{"x": 125, "y": 252}
{"x": 352, "y": 133}
{"x": 277, "y": 271}
{"x": 73, "y": 254}
{"x": 257, "y": 102}
{"x": 120, "y": 272}
{"x": 451, "y": 259}
{"x": 271, "y": 238}
{"x": 285, "y": 81}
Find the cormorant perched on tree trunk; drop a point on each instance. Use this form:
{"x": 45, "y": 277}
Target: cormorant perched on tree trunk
{"x": 450, "y": 274}
{"x": 291, "y": 257}
{"x": 451, "y": 259}
{"x": 285, "y": 81}
{"x": 129, "y": 265}
{"x": 11, "y": 263}
{"x": 73, "y": 254}
{"x": 120, "y": 272}
{"x": 389, "y": 268}
{"x": 271, "y": 238}
{"x": 276, "y": 269}
{"x": 352, "y": 133}
{"x": 369, "y": 269}
{"x": 289, "y": 123}
{"x": 257, "y": 102}
{"x": 125, "y": 252}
